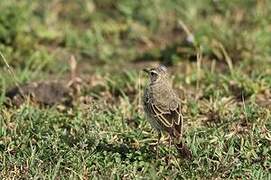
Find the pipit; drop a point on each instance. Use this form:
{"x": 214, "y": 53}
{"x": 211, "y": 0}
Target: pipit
{"x": 163, "y": 108}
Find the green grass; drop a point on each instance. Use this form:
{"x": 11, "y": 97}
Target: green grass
{"x": 227, "y": 98}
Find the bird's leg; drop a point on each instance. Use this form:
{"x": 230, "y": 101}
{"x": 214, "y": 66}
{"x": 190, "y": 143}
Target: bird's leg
{"x": 181, "y": 133}
{"x": 159, "y": 137}
{"x": 170, "y": 141}
{"x": 158, "y": 143}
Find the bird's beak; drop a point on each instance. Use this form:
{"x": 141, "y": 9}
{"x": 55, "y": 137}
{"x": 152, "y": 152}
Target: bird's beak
{"x": 146, "y": 70}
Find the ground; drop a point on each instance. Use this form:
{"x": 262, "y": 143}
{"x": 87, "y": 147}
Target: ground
{"x": 218, "y": 53}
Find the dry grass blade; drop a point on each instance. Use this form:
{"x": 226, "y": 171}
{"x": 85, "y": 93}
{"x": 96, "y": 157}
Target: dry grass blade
{"x": 11, "y": 72}
{"x": 189, "y": 34}
{"x": 228, "y": 60}
{"x": 199, "y": 74}
{"x": 75, "y": 81}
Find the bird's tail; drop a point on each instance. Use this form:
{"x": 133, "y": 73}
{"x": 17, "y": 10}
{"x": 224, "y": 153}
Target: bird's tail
{"x": 183, "y": 150}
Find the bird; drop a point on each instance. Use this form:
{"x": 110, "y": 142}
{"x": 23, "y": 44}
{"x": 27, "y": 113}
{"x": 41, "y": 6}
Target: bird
{"x": 162, "y": 107}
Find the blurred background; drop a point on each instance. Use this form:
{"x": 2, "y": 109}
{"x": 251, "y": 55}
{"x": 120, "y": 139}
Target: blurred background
{"x": 218, "y": 51}
{"x": 32, "y": 34}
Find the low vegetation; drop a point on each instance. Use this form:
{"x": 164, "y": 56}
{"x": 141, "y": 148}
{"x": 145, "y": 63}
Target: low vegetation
{"x": 71, "y": 86}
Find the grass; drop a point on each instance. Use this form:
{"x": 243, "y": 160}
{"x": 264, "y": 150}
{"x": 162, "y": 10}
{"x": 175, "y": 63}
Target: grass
{"x": 104, "y": 135}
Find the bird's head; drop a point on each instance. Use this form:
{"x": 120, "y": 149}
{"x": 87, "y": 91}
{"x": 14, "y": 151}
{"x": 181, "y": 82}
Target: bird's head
{"x": 157, "y": 74}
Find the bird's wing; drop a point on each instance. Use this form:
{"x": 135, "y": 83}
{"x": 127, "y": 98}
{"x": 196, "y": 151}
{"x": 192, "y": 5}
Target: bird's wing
{"x": 168, "y": 116}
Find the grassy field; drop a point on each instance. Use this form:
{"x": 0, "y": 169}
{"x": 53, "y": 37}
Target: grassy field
{"x": 219, "y": 55}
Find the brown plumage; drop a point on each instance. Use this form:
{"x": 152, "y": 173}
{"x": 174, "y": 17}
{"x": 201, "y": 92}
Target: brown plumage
{"x": 163, "y": 109}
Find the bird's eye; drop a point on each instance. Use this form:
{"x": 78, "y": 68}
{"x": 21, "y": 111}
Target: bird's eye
{"x": 153, "y": 73}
